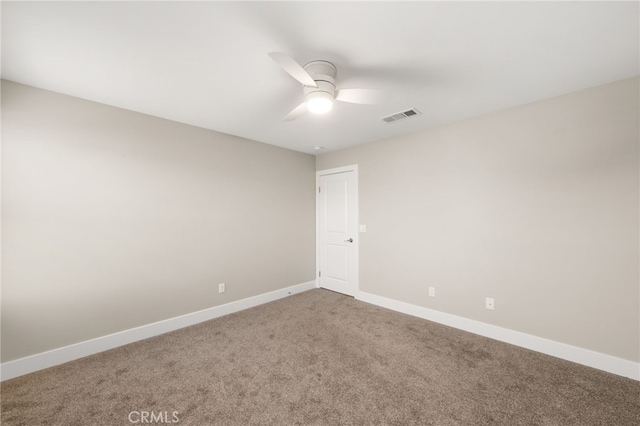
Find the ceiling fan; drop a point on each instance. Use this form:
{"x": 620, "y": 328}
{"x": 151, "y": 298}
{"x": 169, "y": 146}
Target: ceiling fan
{"x": 319, "y": 81}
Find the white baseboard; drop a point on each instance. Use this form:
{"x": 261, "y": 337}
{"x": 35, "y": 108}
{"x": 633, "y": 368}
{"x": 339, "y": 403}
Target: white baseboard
{"x": 611, "y": 364}
{"x": 22, "y": 366}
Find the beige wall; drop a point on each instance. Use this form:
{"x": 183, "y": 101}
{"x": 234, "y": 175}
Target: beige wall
{"x": 535, "y": 206}
{"x": 113, "y": 219}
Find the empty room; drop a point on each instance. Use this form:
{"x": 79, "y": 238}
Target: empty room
{"x": 320, "y": 213}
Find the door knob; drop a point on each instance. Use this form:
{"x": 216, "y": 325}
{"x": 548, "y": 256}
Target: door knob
{"x": 350, "y": 240}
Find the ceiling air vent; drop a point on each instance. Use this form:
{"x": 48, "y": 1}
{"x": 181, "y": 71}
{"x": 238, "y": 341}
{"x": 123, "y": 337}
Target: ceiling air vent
{"x": 400, "y": 115}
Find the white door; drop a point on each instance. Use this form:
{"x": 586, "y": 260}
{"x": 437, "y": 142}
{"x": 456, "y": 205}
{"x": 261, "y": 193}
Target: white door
{"x": 337, "y": 214}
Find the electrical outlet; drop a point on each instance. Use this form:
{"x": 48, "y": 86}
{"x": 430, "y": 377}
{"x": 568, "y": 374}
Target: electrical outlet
{"x": 490, "y": 304}
{"x": 221, "y": 288}
{"x": 432, "y": 291}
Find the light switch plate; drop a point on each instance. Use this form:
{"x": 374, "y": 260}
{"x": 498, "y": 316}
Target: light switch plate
{"x": 363, "y": 228}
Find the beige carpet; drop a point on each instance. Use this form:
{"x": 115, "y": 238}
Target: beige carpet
{"x": 320, "y": 358}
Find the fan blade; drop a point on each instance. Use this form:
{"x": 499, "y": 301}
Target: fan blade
{"x": 296, "y": 112}
{"x": 363, "y": 96}
{"x": 293, "y": 68}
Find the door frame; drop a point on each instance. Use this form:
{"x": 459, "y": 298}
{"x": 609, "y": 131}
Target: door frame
{"x": 356, "y": 271}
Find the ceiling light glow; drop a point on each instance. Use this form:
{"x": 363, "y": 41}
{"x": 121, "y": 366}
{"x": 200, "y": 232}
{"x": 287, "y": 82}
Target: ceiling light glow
{"x": 319, "y": 102}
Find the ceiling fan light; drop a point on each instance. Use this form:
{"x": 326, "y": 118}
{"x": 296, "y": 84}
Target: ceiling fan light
{"x": 319, "y": 102}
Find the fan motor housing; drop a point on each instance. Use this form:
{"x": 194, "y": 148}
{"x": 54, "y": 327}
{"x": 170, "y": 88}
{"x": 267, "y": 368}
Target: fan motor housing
{"x": 324, "y": 74}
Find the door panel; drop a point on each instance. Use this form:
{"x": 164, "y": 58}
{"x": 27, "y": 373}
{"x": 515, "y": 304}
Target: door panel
{"x": 337, "y": 209}
{"x": 337, "y": 260}
{"x": 336, "y": 206}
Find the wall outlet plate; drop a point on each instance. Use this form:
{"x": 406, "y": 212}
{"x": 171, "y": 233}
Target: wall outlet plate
{"x": 432, "y": 291}
{"x": 221, "y": 288}
{"x": 490, "y": 303}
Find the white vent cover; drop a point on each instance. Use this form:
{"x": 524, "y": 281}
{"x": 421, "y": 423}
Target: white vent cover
{"x": 400, "y": 115}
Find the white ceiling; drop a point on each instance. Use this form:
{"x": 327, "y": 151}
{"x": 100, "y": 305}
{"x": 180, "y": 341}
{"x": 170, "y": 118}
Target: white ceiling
{"x": 206, "y": 63}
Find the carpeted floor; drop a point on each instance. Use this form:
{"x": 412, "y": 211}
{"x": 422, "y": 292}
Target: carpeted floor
{"x": 320, "y": 358}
